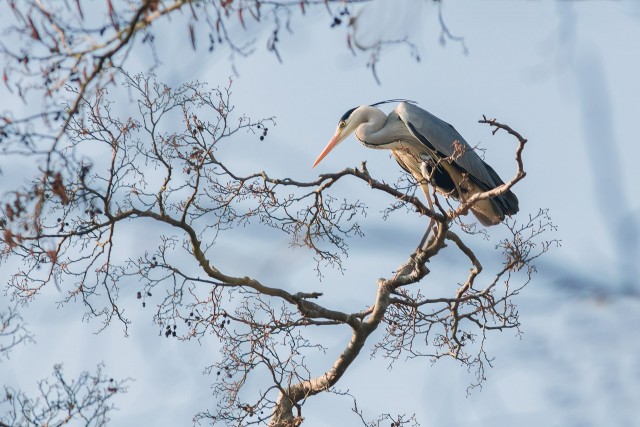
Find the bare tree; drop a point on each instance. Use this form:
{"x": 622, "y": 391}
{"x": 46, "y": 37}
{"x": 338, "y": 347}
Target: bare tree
{"x": 59, "y": 402}
{"x": 64, "y": 230}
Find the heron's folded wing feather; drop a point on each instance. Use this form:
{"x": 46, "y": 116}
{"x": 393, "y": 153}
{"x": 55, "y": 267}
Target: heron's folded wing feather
{"x": 440, "y": 136}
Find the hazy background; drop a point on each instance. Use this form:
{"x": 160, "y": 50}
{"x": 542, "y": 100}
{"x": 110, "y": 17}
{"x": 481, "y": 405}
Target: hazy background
{"x": 564, "y": 74}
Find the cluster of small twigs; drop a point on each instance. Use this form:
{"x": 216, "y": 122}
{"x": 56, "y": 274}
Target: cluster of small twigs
{"x": 60, "y": 401}
{"x": 399, "y": 420}
{"x": 13, "y": 331}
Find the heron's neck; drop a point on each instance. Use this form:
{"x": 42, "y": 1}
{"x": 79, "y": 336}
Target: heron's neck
{"x": 371, "y": 121}
{"x": 379, "y": 130}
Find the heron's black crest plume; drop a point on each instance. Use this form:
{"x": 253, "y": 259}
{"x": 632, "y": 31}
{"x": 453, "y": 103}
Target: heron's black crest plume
{"x": 388, "y": 101}
{"x": 346, "y": 115}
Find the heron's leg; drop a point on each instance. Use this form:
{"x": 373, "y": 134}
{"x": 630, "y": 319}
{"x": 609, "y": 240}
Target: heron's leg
{"x": 425, "y": 189}
{"x": 432, "y": 221}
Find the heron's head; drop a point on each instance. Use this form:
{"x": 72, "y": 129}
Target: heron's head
{"x": 347, "y": 124}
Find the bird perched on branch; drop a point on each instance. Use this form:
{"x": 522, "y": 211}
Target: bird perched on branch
{"x": 432, "y": 151}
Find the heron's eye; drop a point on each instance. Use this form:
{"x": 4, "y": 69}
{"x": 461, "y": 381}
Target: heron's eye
{"x": 342, "y": 124}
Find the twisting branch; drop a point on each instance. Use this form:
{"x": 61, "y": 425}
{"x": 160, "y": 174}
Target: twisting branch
{"x": 463, "y": 209}
{"x": 521, "y": 142}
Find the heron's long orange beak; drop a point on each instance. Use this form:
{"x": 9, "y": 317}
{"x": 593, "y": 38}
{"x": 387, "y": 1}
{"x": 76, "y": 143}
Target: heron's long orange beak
{"x": 334, "y": 141}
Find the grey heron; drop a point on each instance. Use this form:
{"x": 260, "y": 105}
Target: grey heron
{"x": 432, "y": 151}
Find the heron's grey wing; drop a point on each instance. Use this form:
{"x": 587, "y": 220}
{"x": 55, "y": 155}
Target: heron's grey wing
{"x": 439, "y": 136}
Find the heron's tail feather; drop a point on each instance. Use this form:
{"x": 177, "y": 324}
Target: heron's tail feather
{"x": 488, "y": 212}
{"x": 507, "y": 202}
